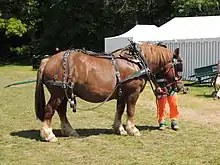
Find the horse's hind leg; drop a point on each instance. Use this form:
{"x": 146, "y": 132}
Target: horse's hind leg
{"x": 66, "y": 128}
{"x": 46, "y": 130}
{"x": 131, "y": 103}
{"x": 117, "y": 125}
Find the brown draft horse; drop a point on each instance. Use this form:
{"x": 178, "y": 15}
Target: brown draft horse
{"x": 94, "y": 78}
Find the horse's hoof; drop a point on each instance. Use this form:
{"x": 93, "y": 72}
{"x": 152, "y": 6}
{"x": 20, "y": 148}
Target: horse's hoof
{"x": 50, "y": 138}
{"x": 69, "y": 133}
{"x": 133, "y": 132}
{"x": 137, "y": 133}
{"x": 54, "y": 139}
{"x": 74, "y": 133}
{"x": 47, "y": 135}
{"x": 120, "y": 131}
{"x": 123, "y": 133}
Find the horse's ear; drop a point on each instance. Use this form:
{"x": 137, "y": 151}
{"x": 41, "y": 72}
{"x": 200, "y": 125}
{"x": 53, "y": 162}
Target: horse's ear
{"x": 177, "y": 51}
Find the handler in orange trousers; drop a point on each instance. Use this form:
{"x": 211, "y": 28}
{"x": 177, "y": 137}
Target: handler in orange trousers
{"x": 163, "y": 97}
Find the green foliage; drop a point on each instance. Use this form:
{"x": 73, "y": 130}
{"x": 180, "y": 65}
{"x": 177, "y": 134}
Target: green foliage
{"x": 15, "y": 27}
{"x": 196, "y": 7}
{"x": 30, "y": 13}
{"x": 2, "y": 23}
{"x": 23, "y": 50}
{"x": 70, "y": 23}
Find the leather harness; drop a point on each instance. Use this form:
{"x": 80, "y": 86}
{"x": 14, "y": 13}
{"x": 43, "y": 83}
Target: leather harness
{"x": 67, "y": 82}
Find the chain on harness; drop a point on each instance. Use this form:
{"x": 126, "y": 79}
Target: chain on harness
{"x": 67, "y": 83}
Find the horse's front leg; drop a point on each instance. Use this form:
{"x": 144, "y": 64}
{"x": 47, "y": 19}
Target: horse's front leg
{"x": 117, "y": 125}
{"x": 66, "y": 128}
{"x": 131, "y": 103}
{"x": 46, "y": 129}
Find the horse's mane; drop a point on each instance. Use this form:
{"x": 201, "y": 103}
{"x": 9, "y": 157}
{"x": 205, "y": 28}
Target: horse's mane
{"x": 156, "y": 55}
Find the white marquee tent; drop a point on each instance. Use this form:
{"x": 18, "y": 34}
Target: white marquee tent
{"x": 190, "y": 28}
{"x": 137, "y": 33}
{"x": 197, "y": 37}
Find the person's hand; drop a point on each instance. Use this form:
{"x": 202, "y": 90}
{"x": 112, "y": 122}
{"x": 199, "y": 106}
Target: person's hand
{"x": 161, "y": 91}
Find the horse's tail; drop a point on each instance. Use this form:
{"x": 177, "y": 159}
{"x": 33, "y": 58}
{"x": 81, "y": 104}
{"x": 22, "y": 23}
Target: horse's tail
{"x": 39, "y": 91}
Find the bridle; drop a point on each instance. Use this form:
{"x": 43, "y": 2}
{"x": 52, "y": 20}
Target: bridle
{"x": 175, "y": 67}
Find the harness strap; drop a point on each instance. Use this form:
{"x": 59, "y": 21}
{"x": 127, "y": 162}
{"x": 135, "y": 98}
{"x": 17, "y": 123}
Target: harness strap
{"x": 137, "y": 74}
{"x": 148, "y": 72}
{"x": 118, "y": 76}
{"x": 57, "y": 83}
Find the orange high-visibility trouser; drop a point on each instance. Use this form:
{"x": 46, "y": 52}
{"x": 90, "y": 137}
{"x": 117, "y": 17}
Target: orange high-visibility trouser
{"x": 161, "y": 105}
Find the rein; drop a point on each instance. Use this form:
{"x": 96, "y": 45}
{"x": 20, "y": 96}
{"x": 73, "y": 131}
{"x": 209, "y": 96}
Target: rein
{"x": 102, "y": 103}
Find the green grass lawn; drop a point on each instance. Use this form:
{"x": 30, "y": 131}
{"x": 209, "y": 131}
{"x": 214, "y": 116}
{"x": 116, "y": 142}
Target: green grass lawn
{"x": 198, "y": 141}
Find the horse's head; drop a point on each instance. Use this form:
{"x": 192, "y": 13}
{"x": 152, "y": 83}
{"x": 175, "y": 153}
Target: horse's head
{"x": 173, "y": 71}
{"x": 165, "y": 63}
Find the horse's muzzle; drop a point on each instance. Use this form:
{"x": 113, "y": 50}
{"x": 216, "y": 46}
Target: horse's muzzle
{"x": 179, "y": 85}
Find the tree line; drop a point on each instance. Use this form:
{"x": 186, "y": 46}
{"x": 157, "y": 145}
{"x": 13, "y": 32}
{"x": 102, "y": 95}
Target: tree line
{"x": 29, "y": 27}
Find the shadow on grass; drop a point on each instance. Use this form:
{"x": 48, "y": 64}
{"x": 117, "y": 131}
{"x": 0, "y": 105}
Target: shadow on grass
{"x": 35, "y": 134}
{"x": 206, "y": 95}
{"x": 198, "y": 85}
{"x": 147, "y": 128}
{"x": 30, "y": 134}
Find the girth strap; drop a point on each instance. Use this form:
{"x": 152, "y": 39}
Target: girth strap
{"x": 57, "y": 83}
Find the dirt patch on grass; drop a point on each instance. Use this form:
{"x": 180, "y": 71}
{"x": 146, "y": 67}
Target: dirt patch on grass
{"x": 203, "y": 117}
{"x": 201, "y": 110}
